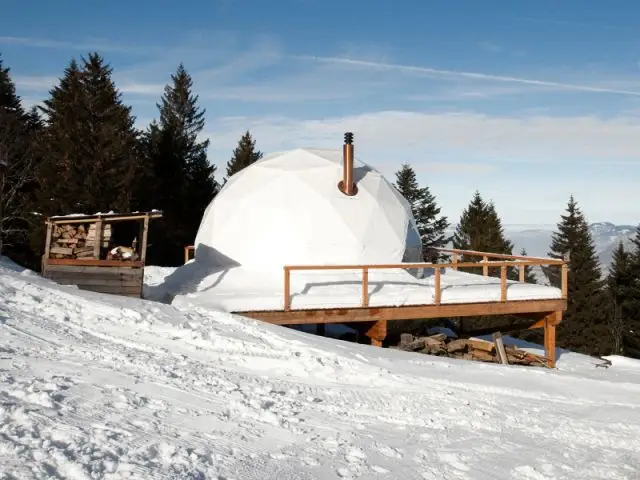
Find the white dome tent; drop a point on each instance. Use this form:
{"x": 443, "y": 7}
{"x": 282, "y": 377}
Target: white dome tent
{"x": 315, "y": 208}
{"x": 288, "y": 209}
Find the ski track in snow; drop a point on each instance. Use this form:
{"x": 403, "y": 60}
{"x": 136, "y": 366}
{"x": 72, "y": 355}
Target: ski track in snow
{"x": 96, "y": 386}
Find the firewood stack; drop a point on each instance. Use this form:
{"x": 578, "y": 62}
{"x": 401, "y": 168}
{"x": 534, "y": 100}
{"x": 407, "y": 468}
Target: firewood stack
{"x": 76, "y": 240}
{"x": 466, "y": 349}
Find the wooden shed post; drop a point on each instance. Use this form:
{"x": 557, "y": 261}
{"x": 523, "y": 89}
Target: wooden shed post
{"x": 145, "y": 236}
{"x": 47, "y": 244}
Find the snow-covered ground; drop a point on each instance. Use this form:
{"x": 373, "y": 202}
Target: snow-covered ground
{"x": 98, "y": 386}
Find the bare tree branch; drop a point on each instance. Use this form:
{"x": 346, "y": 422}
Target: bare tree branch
{"x": 17, "y": 171}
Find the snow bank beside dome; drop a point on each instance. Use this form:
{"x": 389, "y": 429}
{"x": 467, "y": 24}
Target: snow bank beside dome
{"x": 286, "y": 209}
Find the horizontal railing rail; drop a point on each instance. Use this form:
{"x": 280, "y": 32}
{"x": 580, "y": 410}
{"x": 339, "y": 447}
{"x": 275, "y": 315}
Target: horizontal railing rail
{"x": 504, "y": 263}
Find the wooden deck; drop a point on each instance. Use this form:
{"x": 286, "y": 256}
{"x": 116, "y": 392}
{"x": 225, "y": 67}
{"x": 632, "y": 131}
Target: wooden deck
{"x": 372, "y": 321}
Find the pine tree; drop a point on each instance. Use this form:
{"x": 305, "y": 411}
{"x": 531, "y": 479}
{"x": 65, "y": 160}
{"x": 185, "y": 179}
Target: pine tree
{"x": 584, "y": 327}
{"x": 243, "y": 155}
{"x": 632, "y": 339}
{"x": 182, "y": 177}
{"x": 18, "y": 133}
{"x": 529, "y": 276}
{"x": 480, "y": 229}
{"x": 90, "y": 144}
{"x": 431, "y": 225}
{"x": 619, "y": 284}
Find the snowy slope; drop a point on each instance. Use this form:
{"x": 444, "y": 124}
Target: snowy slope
{"x": 96, "y": 386}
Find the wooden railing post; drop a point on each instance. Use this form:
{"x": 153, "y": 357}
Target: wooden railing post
{"x": 287, "y": 290}
{"x": 365, "y": 286}
{"x": 521, "y": 272}
{"x": 454, "y": 260}
{"x": 565, "y": 280}
{"x": 438, "y": 292}
{"x": 503, "y": 283}
{"x": 485, "y": 267}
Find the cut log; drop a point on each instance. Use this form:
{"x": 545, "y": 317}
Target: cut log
{"x": 483, "y": 345}
{"x": 457, "y": 346}
{"x": 436, "y": 339}
{"x": 61, "y": 251}
{"x": 482, "y": 356}
{"x": 405, "y": 339}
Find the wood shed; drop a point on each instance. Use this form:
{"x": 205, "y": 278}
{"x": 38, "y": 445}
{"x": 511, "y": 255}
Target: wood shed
{"x": 81, "y": 250}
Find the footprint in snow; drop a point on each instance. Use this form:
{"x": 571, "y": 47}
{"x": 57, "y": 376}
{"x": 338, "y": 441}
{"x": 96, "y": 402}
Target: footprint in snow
{"x": 390, "y": 451}
{"x": 527, "y": 472}
{"x": 454, "y": 460}
{"x": 356, "y": 455}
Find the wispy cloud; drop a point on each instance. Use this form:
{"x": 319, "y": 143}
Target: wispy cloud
{"x": 457, "y": 168}
{"x": 463, "y": 74}
{"x": 85, "y": 45}
{"x": 463, "y": 136}
{"x": 490, "y": 47}
{"x": 560, "y": 22}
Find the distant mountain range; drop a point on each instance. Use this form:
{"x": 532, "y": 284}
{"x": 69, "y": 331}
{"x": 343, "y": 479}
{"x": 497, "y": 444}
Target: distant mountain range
{"x": 536, "y": 239}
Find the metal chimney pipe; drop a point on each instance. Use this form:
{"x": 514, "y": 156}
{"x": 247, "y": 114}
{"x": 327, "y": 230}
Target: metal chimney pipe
{"x": 347, "y": 186}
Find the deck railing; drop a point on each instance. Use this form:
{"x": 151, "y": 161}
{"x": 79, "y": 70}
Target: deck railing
{"x": 504, "y": 262}
{"x": 188, "y": 250}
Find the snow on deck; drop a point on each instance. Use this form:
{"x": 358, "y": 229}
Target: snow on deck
{"x": 237, "y": 290}
{"x": 101, "y": 386}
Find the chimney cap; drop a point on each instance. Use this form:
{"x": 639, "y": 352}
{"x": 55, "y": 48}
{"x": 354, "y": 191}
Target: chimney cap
{"x": 348, "y": 138}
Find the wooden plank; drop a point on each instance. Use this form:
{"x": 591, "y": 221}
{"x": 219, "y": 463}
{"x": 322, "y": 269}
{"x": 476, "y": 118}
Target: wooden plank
{"x": 80, "y": 269}
{"x": 406, "y": 312}
{"x": 107, "y": 217}
{"x": 97, "y": 272}
{"x": 93, "y": 278}
{"x": 94, "y": 262}
{"x": 565, "y": 280}
{"x": 503, "y": 284}
{"x": 438, "y": 287}
{"x": 502, "y": 354}
{"x": 61, "y": 251}
{"x": 454, "y": 265}
{"x": 505, "y": 256}
{"x": 521, "y": 274}
{"x": 485, "y": 267}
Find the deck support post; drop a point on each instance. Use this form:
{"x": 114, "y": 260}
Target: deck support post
{"x": 377, "y": 332}
{"x": 550, "y": 323}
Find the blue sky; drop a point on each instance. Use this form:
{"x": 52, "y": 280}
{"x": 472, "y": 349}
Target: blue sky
{"x": 528, "y": 102}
